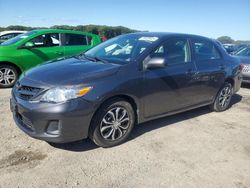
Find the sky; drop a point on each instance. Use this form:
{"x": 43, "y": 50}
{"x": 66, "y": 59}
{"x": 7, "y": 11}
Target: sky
{"x": 211, "y": 18}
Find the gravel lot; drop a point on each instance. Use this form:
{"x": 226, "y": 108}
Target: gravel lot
{"x": 198, "y": 148}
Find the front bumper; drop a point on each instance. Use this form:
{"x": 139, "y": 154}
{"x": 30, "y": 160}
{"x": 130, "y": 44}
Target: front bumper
{"x": 246, "y": 77}
{"x": 246, "y": 74}
{"x": 246, "y": 80}
{"x": 57, "y": 123}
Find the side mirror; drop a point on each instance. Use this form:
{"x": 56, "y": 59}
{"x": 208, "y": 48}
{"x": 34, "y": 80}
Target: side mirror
{"x": 156, "y": 62}
{"x": 27, "y": 45}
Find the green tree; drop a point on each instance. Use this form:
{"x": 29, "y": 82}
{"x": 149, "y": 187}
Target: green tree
{"x": 102, "y": 30}
{"x": 18, "y": 27}
{"x": 67, "y": 27}
{"x": 242, "y": 42}
{"x": 225, "y": 40}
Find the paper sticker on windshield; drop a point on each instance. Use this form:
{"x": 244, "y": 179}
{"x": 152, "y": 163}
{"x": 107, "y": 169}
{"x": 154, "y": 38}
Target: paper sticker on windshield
{"x": 149, "y": 39}
{"x": 111, "y": 47}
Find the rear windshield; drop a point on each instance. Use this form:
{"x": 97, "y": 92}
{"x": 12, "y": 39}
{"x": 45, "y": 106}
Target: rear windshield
{"x": 17, "y": 38}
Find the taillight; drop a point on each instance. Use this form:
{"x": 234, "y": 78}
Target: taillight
{"x": 104, "y": 38}
{"x": 241, "y": 66}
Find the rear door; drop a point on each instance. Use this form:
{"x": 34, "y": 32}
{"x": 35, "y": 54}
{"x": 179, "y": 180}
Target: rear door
{"x": 76, "y": 43}
{"x": 210, "y": 68}
{"x": 46, "y": 47}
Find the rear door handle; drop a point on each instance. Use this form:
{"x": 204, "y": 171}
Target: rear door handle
{"x": 59, "y": 53}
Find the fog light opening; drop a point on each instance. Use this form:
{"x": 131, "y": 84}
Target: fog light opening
{"x": 53, "y": 128}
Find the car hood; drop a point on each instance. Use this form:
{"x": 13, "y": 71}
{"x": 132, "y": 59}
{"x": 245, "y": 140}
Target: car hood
{"x": 4, "y": 48}
{"x": 243, "y": 59}
{"x": 70, "y": 71}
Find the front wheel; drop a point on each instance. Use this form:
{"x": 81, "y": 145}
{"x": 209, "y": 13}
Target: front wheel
{"x": 112, "y": 123}
{"x": 8, "y": 76}
{"x": 223, "y": 98}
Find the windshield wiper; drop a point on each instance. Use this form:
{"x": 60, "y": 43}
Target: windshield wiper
{"x": 99, "y": 59}
{"x": 95, "y": 59}
{"x": 87, "y": 57}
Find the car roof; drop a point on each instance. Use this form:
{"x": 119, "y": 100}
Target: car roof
{"x": 166, "y": 34}
{"x": 60, "y": 31}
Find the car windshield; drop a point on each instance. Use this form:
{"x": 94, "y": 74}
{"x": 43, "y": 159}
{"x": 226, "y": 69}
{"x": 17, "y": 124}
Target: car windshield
{"x": 17, "y": 38}
{"x": 122, "y": 49}
{"x": 243, "y": 52}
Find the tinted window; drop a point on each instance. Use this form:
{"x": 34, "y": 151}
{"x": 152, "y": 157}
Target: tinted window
{"x": 75, "y": 40}
{"x": 174, "y": 51}
{"x": 205, "y": 50}
{"x": 46, "y": 40}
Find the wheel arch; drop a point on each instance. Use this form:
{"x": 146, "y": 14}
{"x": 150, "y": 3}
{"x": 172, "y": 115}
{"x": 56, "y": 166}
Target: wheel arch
{"x": 125, "y": 97}
{"x": 230, "y": 80}
{"x": 19, "y": 69}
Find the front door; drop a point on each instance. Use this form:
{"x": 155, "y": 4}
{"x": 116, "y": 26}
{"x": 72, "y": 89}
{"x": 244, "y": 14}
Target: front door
{"x": 46, "y": 47}
{"x": 172, "y": 87}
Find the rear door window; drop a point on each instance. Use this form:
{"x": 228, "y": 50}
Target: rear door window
{"x": 205, "y": 50}
{"x": 76, "y": 40}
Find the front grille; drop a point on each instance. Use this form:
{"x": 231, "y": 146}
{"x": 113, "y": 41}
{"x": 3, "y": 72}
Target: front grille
{"x": 25, "y": 122}
{"x": 246, "y": 78}
{"x": 246, "y": 68}
{"x": 26, "y": 92}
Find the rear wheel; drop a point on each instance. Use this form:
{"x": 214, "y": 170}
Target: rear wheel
{"x": 8, "y": 76}
{"x": 112, "y": 124}
{"x": 223, "y": 98}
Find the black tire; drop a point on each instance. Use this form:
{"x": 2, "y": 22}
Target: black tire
{"x": 99, "y": 130}
{"x": 9, "y": 78}
{"x": 224, "y": 95}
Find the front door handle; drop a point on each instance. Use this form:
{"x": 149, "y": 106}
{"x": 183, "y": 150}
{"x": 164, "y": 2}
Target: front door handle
{"x": 222, "y": 67}
{"x": 190, "y": 72}
{"x": 59, "y": 53}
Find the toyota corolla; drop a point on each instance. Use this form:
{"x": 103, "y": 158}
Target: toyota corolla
{"x": 126, "y": 80}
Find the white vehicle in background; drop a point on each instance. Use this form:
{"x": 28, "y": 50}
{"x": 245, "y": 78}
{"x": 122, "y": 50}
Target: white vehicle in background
{"x": 6, "y": 35}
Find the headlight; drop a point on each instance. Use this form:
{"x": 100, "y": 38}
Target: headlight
{"x": 58, "y": 95}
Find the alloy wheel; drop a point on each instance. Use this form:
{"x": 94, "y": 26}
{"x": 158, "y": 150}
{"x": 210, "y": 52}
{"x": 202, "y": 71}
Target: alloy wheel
{"x": 114, "y": 124}
{"x": 7, "y": 76}
{"x": 225, "y": 96}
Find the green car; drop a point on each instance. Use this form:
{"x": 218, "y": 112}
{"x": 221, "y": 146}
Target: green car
{"x": 35, "y": 47}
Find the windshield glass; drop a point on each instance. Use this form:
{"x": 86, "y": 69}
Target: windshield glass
{"x": 17, "y": 38}
{"x": 244, "y": 52}
{"x": 121, "y": 49}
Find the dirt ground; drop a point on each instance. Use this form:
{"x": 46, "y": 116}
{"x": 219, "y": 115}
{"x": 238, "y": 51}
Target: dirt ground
{"x": 198, "y": 148}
